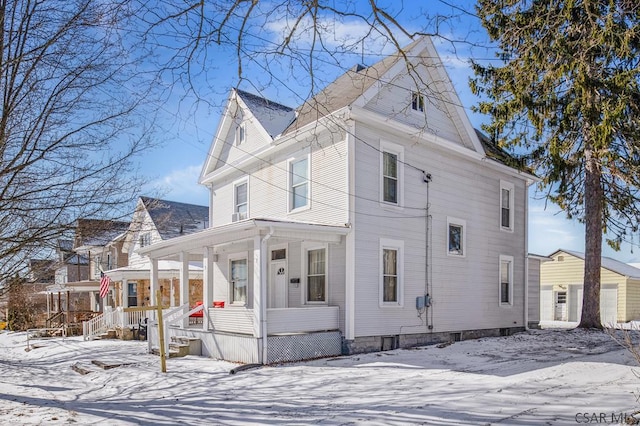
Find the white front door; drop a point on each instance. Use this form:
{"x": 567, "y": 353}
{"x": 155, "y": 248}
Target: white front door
{"x": 278, "y": 284}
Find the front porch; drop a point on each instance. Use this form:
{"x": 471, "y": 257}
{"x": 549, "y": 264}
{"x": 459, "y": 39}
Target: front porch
{"x": 293, "y": 334}
{"x": 281, "y": 284}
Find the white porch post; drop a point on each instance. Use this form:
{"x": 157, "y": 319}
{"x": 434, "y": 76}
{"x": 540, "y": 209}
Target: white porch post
{"x": 153, "y": 281}
{"x": 184, "y": 283}
{"x": 257, "y": 288}
{"x": 260, "y": 290}
{"x": 172, "y": 294}
{"x": 207, "y": 284}
{"x": 125, "y": 293}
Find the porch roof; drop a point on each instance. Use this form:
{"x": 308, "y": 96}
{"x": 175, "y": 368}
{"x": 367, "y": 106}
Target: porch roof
{"x": 166, "y": 269}
{"x": 73, "y": 287}
{"x": 242, "y": 231}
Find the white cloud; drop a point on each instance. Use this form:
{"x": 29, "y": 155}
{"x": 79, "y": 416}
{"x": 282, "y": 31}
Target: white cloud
{"x": 549, "y": 230}
{"x": 336, "y": 35}
{"x": 181, "y": 185}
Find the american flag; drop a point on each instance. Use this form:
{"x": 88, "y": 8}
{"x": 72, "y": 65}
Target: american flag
{"x": 105, "y": 281}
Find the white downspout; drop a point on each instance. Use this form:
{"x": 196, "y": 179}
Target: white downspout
{"x": 263, "y": 290}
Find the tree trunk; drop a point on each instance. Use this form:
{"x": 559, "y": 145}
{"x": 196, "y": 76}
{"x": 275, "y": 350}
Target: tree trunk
{"x": 593, "y": 196}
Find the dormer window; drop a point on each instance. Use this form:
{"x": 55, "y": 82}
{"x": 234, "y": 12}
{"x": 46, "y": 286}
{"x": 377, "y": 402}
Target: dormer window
{"x": 241, "y": 133}
{"x": 417, "y": 101}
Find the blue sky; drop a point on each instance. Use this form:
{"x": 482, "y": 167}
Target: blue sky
{"x": 189, "y": 125}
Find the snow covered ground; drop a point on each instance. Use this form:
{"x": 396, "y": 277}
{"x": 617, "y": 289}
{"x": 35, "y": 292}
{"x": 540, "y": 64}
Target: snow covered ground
{"x": 537, "y": 377}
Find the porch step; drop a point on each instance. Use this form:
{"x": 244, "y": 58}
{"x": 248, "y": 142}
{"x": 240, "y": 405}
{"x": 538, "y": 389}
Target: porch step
{"x": 173, "y": 352}
{"x": 194, "y": 344}
{"x": 182, "y": 346}
{"x": 109, "y": 334}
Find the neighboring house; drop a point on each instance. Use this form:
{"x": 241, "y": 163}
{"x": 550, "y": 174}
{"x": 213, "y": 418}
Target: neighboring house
{"x": 370, "y": 218}
{"x": 156, "y": 220}
{"x": 561, "y": 289}
{"x": 534, "y": 262}
{"x": 101, "y": 242}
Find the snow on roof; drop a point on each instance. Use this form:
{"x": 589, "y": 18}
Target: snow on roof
{"x": 98, "y": 232}
{"x": 274, "y": 117}
{"x": 610, "y": 264}
{"x": 173, "y": 219}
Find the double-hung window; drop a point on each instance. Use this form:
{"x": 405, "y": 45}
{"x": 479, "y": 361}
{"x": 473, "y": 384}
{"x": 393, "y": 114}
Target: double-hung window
{"x": 241, "y": 200}
{"x": 391, "y": 166}
{"x": 506, "y": 206}
{"x": 391, "y": 269}
{"x": 132, "y": 291}
{"x": 145, "y": 239}
{"x": 456, "y": 237}
{"x": 506, "y": 280}
{"x": 316, "y": 285}
{"x": 239, "y": 275}
{"x": 299, "y": 183}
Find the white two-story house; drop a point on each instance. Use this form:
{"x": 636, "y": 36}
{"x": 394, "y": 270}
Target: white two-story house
{"x": 372, "y": 217}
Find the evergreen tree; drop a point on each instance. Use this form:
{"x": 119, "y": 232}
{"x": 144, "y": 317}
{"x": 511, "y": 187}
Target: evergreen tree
{"x": 566, "y": 93}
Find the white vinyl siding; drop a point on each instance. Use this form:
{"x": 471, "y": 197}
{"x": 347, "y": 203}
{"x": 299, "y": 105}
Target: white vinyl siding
{"x": 463, "y": 288}
{"x": 269, "y": 194}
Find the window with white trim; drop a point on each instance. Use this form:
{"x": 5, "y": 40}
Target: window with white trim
{"x": 417, "y": 101}
{"x": 241, "y": 199}
{"x": 506, "y": 280}
{"x": 145, "y": 239}
{"x": 238, "y": 279}
{"x": 506, "y": 206}
{"x": 299, "y": 183}
{"x": 391, "y": 167}
{"x": 391, "y": 270}
{"x": 316, "y": 275}
{"x": 241, "y": 133}
{"x": 456, "y": 237}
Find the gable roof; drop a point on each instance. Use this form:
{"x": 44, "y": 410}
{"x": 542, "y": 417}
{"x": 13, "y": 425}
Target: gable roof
{"x": 98, "y": 232}
{"x": 273, "y": 117}
{"x": 173, "y": 219}
{"x": 607, "y": 263}
{"x": 345, "y": 90}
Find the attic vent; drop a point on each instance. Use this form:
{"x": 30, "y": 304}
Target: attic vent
{"x": 560, "y": 258}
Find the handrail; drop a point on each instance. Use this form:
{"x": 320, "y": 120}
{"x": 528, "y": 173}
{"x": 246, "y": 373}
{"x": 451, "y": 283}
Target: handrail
{"x": 53, "y": 317}
{"x": 172, "y": 321}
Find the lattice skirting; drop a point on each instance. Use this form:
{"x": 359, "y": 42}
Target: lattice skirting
{"x": 298, "y": 347}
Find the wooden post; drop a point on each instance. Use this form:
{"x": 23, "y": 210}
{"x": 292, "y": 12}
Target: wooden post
{"x": 163, "y": 359}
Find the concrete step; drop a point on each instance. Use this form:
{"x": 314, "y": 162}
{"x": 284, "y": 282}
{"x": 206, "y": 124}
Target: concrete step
{"x": 194, "y": 344}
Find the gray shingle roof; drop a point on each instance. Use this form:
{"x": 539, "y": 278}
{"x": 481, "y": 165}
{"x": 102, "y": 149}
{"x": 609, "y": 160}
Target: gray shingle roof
{"x": 173, "y": 219}
{"x": 274, "y": 117}
{"x": 98, "y": 232}
{"x": 610, "y": 264}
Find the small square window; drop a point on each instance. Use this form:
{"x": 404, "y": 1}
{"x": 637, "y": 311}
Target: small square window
{"x": 456, "y": 235}
{"x": 241, "y": 133}
{"x": 417, "y": 101}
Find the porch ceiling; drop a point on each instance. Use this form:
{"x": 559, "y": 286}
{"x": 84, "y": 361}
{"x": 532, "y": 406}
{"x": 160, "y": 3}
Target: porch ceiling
{"x": 237, "y": 232}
